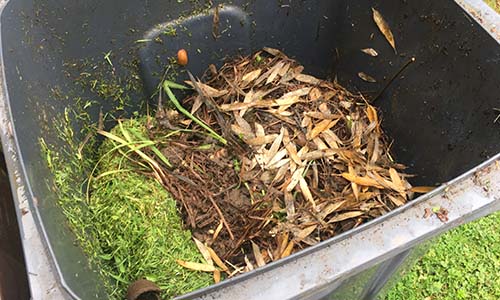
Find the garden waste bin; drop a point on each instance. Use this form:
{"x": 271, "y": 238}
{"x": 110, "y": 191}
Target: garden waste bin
{"x": 437, "y": 89}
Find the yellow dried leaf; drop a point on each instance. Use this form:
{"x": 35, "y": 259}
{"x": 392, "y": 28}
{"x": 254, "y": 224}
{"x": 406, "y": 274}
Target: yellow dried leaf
{"x": 274, "y": 72}
{"x": 307, "y": 79}
{"x": 217, "y": 260}
{"x": 365, "y": 181}
{"x": 306, "y": 192}
{"x": 273, "y": 150}
{"x": 320, "y": 144}
{"x": 396, "y": 180}
{"x": 290, "y": 148}
{"x": 398, "y": 201}
{"x": 196, "y": 266}
{"x": 320, "y": 127}
{"x": 294, "y": 180}
{"x": 204, "y": 251}
{"x": 259, "y": 259}
{"x": 251, "y": 76}
{"x": 422, "y": 189}
{"x": 217, "y": 276}
{"x": 287, "y": 101}
{"x": 370, "y": 51}
{"x": 218, "y": 230}
{"x": 288, "y": 250}
{"x": 371, "y": 114}
{"x": 346, "y": 216}
{"x": 236, "y": 106}
{"x": 366, "y": 77}
{"x": 278, "y": 160}
{"x": 384, "y": 28}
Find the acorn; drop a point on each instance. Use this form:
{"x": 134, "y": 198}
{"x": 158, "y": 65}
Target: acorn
{"x": 182, "y": 57}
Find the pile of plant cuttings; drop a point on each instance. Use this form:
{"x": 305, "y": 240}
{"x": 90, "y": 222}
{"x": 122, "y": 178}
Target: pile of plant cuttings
{"x": 265, "y": 161}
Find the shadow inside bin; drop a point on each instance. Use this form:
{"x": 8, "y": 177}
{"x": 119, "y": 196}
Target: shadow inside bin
{"x": 13, "y": 276}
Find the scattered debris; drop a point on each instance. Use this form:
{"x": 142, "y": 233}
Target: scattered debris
{"x": 182, "y": 57}
{"x": 366, "y": 77}
{"x": 370, "y": 51}
{"x": 427, "y": 213}
{"x": 442, "y": 214}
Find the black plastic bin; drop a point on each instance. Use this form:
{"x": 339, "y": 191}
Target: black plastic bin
{"x": 439, "y": 111}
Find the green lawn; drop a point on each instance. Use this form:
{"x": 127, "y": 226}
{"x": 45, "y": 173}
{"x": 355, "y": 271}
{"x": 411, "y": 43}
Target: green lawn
{"x": 462, "y": 264}
{"x": 494, "y": 3}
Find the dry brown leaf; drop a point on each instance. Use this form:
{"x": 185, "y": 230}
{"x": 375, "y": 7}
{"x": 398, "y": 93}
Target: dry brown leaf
{"x": 259, "y": 259}
{"x": 397, "y": 182}
{"x": 294, "y": 180}
{"x": 208, "y": 90}
{"x": 366, "y": 77}
{"x": 346, "y": 216}
{"x": 278, "y": 160}
{"x": 386, "y": 183}
{"x": 330, "y": 208}
{"x": 249, "y": 266}
{"x": 251, "y": 76}
{"x": 291, "y": 148}
{"x": 196, "y": 266}
{"x": 272, "y": 51}
{"x": 274, "y": 72}
{"x": 304, "y": 233}
{"x": 306, "y": 192}
{"x": 365, "y": 181}
{"x": 307, "y": 79}
{"x": 289, "y": 204}
{"x": 384, "y": 28}
{"x": 204, "y": 251}
{"x": 196, "y": 104}
{"x": 217, "y": 260}
{"x": 370, "y": 51}
{"x": 422, "y": 189}
{"x": 315, "y": 94}
{"x": 354, "y": 185}
{"x": 261, "y": 140}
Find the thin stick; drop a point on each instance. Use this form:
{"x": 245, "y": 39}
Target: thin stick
{"x": 222, "y": 217}
{"x": 393, "y": 78}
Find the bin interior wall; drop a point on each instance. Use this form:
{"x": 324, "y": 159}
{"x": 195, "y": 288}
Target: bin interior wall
{"x": 439, "y": 111}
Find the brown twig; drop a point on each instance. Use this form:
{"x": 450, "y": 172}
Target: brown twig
{"x": 221, "y": 215}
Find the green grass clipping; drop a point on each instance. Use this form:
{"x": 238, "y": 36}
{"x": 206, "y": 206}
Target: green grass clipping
{"x": 127, "y": 223}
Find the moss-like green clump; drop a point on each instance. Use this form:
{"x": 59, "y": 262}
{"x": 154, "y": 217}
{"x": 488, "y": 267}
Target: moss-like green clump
{"x": 128, "y": 224}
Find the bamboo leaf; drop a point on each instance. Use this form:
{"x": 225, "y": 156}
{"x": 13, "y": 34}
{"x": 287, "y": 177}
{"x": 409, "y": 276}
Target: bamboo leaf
{"x": 384, "y": 28}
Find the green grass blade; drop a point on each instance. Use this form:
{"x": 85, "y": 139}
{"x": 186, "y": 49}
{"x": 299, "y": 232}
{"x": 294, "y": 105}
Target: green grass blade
{"x": 176, "y": 103}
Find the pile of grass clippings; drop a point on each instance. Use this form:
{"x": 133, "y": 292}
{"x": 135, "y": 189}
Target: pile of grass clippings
{"x": 137, "y": 225}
